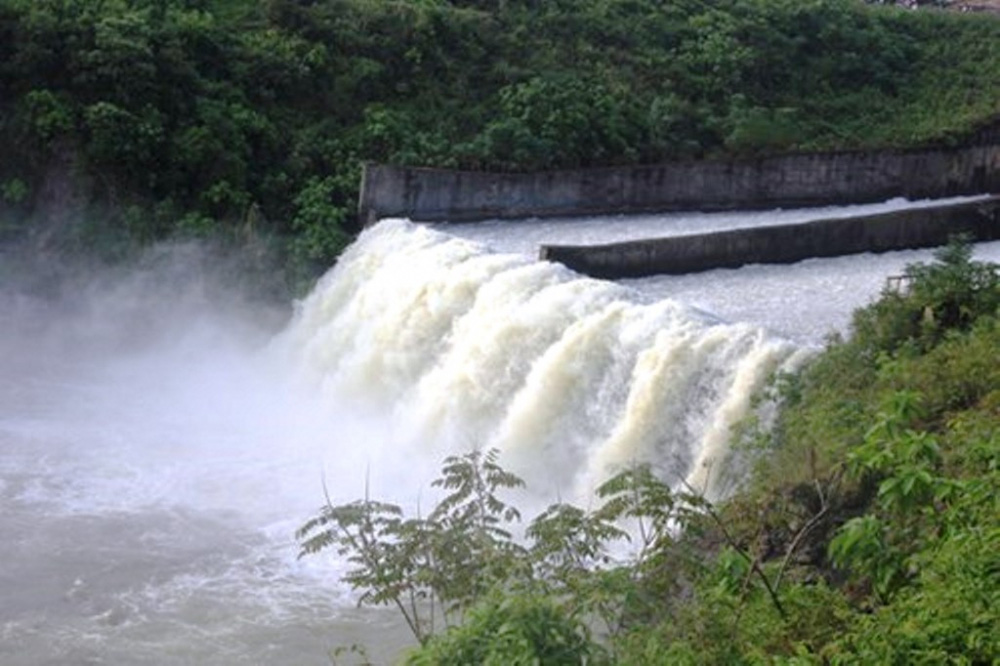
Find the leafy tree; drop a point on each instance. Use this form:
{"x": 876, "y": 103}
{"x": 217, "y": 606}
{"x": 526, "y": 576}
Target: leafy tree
{"x": 319, "y": 223}
{"x": 433, "y": 568}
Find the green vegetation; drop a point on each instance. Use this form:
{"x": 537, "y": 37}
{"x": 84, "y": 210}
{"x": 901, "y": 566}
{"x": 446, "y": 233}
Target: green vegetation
{"x": 868, "y": 532}
{"x": 251, "y": 119}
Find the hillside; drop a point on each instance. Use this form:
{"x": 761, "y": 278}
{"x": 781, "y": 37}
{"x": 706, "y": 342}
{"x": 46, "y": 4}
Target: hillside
{"x": 131, "y": 120}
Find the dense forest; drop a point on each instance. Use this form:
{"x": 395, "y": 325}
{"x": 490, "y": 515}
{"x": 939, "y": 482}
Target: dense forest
{"x": 126, "y": 121}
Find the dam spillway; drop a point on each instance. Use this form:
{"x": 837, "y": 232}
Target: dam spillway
{"x": 471, "y": 345}
{"x": 572, "y": 378}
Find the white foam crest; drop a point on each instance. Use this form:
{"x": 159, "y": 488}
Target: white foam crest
{"x": 576, "y": 393}
{"x": 380, "y": 316}
{"x": 571, "y": 377}
{"x": 517, "y": 316}
{"x": 558, "y": 410}
{"x": 663, "y": 394}
{"x": 709, "y": 473}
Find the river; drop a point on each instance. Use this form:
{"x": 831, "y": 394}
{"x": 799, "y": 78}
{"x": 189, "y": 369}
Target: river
{"x": 161, "y": 438}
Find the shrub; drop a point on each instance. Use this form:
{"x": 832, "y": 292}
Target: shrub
{"x": 947, "y": 295}
{"x": 513, "y": 629}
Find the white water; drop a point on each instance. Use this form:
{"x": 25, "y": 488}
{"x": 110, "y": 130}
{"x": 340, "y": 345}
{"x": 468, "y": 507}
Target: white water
{"x": 803, "y": 302}
{"x": 525, "y": 236}
{"x": 571, "y": 378}
{"x": 159, "y": 444}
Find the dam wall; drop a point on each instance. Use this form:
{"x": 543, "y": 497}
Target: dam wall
{"x": 798, "y": 180}
{"x": 911, "y": 228}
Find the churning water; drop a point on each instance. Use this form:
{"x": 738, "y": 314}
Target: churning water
{"x": 160, "y": 440}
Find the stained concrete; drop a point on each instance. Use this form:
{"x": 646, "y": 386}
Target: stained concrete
{"x": 800, "y": 180}
{"x": 912, "y": 228}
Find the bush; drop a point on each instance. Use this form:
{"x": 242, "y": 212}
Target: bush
{"x": 513, "y": 629}
{"x": 943, "y": 296}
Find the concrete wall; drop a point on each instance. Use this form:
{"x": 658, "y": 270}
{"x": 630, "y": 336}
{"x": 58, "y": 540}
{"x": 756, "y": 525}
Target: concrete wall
{"x": 792, "y": 180}
{"x": 923, "y": 227}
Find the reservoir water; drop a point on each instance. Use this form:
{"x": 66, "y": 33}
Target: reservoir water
{"x": 161, "y": 439}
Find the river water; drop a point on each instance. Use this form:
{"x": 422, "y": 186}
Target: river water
{"x": 161, "y": 438}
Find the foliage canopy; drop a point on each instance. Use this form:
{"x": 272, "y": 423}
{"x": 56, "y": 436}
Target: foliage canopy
{"x": 196, "y": 112}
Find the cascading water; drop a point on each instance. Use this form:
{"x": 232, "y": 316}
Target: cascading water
{"x": 571, "y": 378}
{"x": 160, "y": 443}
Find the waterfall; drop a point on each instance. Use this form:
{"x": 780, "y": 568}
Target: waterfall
{"x": 572, "y": 378}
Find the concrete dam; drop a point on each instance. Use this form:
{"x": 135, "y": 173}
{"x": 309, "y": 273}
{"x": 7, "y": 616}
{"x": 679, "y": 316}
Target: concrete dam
{"x": 790, "y": 181}
{"x": 787, "y": 243}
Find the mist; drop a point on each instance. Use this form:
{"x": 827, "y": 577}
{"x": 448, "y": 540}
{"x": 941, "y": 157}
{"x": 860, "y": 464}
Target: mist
{"x": 156, "y": 460}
